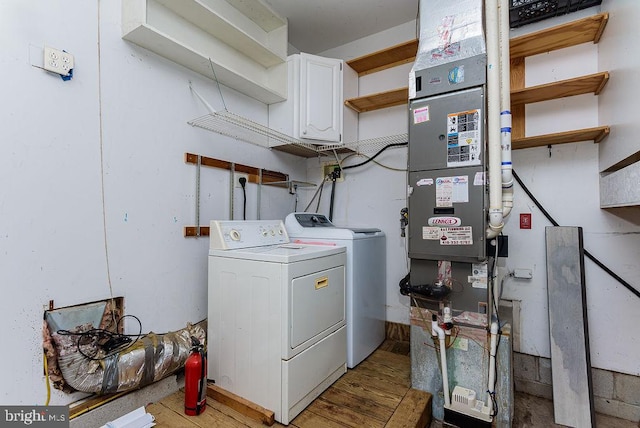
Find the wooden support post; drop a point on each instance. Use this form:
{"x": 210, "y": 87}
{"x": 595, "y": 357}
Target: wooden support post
{"x": 517, "y": 111}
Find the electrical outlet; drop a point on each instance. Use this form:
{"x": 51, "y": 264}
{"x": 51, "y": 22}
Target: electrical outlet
{"x": 236, "y": 179}
{"x": 58, "y": 61}
{"x": 329, "y": 167}
{"x": 523, "y": 273}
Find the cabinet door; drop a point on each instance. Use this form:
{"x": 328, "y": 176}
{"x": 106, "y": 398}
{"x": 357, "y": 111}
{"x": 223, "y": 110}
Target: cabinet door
{"x": 320, "y": 98}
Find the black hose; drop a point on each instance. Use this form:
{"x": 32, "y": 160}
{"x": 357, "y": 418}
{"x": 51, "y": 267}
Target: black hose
{"x": 586, "y": 253}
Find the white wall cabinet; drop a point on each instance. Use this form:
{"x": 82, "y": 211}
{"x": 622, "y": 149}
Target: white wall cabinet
{"x": 314, "y": 108}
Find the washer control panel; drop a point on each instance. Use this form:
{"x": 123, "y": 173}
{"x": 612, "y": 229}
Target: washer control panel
{"x": 235, "y": 234}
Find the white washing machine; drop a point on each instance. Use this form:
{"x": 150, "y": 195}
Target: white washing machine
{"x": 276, "y": 315}
{"x": 365, "y": 273}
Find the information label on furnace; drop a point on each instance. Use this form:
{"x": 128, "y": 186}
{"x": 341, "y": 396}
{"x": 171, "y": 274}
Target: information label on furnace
{"x": 464, "y": 138}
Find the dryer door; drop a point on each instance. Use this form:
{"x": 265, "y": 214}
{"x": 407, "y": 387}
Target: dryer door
{"x": 317, "y": 306}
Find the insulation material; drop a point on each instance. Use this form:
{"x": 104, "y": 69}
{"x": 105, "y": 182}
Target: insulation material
{"x": 112, "y": 312}
{"x": 449, "y": 31}
{"x": 149, "y": 359}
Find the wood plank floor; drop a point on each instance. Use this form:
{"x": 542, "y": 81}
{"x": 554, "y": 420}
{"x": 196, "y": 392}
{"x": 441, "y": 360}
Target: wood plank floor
{"x": 367, "y": 396}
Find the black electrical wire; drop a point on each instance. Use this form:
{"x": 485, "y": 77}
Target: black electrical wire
{"x": 109, "y": 342}
{"x": 376, "y": 155}
{"x": 243, "y": 183}
{"x": 586, "y": 253}
{"x": 333, "y": 193}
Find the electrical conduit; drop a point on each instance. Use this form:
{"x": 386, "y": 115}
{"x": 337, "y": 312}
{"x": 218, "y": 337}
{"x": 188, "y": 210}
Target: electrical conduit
{"x": 436, "y": 330}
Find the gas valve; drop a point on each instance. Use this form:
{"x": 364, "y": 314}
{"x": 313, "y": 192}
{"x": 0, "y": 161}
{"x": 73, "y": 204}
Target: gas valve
{"x": 404, "y": 221}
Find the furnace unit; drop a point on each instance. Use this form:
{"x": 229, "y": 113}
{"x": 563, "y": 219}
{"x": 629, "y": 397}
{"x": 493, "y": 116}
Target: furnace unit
{"x": 447, "y": 163}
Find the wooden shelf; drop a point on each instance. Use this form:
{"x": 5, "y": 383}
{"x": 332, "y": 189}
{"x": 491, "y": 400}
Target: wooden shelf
{"x": 590, "y": 134}
{"x": 385, "y": 58}
{"x": 562, "y": 36}
{"x": 564, "y": 88}
{"x": 573, "y": 33}
{"x": 380, "y": 100}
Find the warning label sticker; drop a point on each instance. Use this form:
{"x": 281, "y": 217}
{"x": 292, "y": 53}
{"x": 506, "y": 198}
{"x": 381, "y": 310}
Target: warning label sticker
{"x": 431, "y": 233}
{"x": 462, "y": 235}
{"x": 421, "y": 115}
{"x": 464, "y": 138}
{"x": 479, "y": 275}
{"x": 452, "y": 189}
{"x": 444, "y": 192}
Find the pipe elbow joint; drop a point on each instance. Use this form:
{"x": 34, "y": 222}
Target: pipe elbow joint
{"x": 436, "y": 330}
{"x": 495, "y": 220}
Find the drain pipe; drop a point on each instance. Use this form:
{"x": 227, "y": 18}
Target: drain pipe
{"x": 493, "y": 105}
{"x": 436, "y": 330}
{"x": 505, "y": 108}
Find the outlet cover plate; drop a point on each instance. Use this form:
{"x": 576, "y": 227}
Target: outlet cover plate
{"x": 236, "y": 179}
{"x": 57, "y": 61}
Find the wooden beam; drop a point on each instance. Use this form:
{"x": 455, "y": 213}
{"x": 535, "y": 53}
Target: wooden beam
{"x": 253, "y": 172}
{"x": 191, "y": 231}
{"x": 241, "y": 405}
{"x": 518, "y": 122}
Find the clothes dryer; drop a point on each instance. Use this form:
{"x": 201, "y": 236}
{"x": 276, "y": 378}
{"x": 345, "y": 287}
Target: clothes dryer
{"x": 276, "y": 315}
{"x": 365, "y": 277}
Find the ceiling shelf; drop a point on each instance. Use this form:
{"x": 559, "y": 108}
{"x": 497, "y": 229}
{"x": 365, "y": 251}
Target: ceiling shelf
{"x": 380, "y": 100}
{"x": 385, "y": 58}
{"x": 564, "y": 88}
{"x": 562, "y": 36}
{"x": 596, "y": 135}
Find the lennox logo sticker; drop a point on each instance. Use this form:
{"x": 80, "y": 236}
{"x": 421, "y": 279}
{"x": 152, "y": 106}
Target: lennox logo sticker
{"x": 444, "y": 221}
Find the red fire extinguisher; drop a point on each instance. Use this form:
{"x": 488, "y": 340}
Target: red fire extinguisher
{"x": 195, "y": 380}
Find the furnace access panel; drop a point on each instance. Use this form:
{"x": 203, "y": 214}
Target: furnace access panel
{"x": 447, "y": 203}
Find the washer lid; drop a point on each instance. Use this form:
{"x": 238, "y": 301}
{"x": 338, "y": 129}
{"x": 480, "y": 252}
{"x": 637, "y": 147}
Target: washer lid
{"x": 283, "y": 253}
{"x": 310, "y": 225}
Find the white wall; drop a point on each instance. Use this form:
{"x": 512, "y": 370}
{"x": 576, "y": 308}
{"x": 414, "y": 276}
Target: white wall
{"x": 565, "y": 182}
{"x": 52, "y": 241}
{"x": 618, "y": 53}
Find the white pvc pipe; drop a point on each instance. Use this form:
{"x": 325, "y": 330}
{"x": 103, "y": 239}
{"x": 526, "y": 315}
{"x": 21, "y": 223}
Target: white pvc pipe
{"x": 493, "y": 118}
{"x": 436, "y": 330}
{"x": 505, "y": 108}
{"x": 492, "y": 361}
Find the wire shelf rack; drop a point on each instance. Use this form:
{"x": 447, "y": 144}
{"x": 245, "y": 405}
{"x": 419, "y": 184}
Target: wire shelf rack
{"x": 244, "y": 129}
{"x": 241, "y": 128}
{"x": 371, "y": 145}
